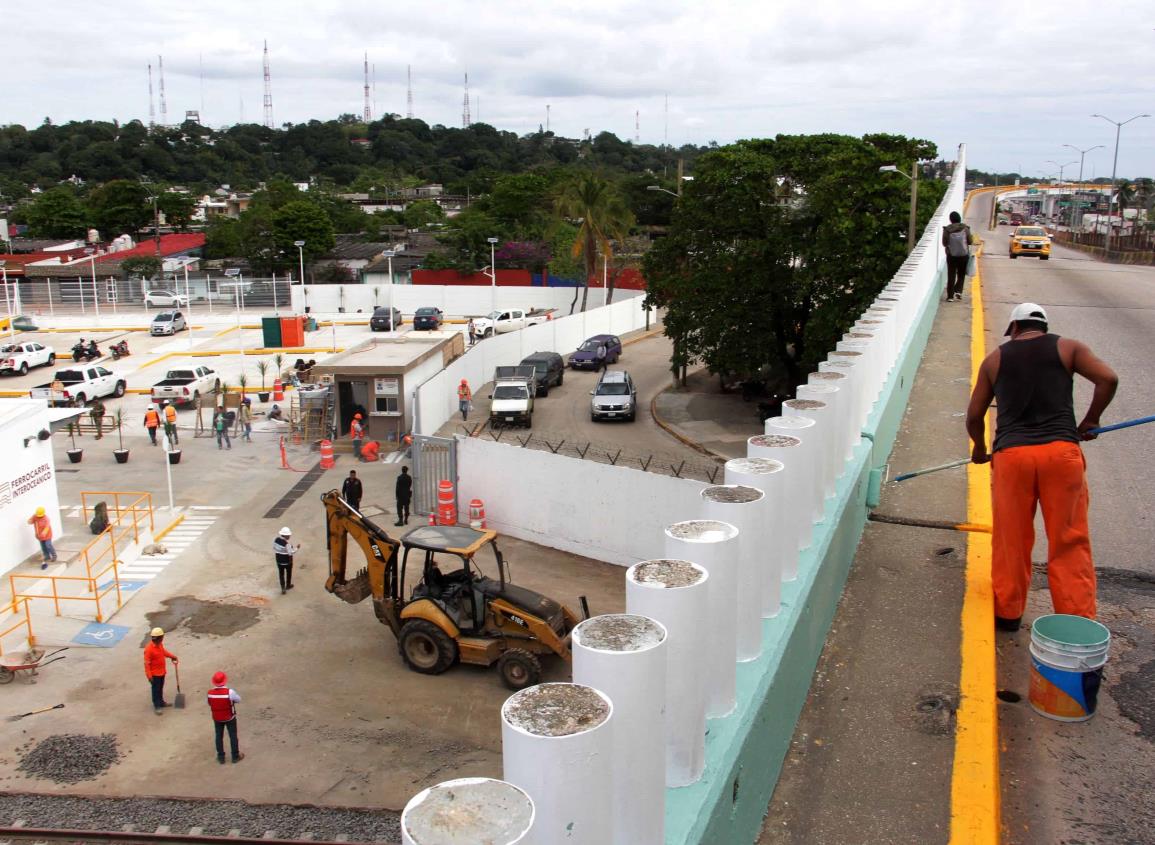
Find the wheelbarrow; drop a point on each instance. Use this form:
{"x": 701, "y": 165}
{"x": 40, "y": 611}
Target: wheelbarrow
{"x": 29, "y": 662}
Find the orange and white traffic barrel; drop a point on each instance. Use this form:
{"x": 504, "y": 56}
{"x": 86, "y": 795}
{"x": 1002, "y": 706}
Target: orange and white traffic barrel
{"x": 326, "y": 454}
{"x": 476, "y": 514}
{"x": 278, "y": 391}
{"x": 446, "y": 503}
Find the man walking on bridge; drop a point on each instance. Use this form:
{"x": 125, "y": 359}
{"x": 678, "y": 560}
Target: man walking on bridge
{"x": 1037, "y": 461}
{"x": 956, "y": 240}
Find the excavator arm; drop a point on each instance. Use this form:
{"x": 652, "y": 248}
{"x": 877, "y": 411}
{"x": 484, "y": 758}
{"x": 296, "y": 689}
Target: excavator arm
{"x": 379, "y": 578}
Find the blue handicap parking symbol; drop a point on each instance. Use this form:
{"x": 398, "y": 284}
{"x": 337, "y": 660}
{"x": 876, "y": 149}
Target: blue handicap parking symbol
{"x": 101, "y": 634}
{"x": 125, "y": 586}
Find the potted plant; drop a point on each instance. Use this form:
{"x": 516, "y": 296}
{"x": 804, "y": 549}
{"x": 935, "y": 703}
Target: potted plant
{"x": 243, "y": 381}
{"x": 263, "y": 369}
{"x": 278, "y": 365}
{"x": 120, "y": 454}
{"x": 75, "y": 453}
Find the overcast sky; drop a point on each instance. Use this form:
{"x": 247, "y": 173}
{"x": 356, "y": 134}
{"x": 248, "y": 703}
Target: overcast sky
{"x": 1014, "y": 80}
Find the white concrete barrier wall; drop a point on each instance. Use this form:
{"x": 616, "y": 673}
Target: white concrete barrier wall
{"x": 468, "y": 810}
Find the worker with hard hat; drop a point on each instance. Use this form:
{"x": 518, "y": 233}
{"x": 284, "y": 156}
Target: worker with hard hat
{"x": 151, "y": 423}
{"x": 223, "y": 705}
{"x": 155, "y": 667}
{"x": 170, "y": 424}
{"x": 357, "y": 434}
{"x": 283, "y": 551}
{"x": 464, "y": 399}
{"x": 42, "y": 525}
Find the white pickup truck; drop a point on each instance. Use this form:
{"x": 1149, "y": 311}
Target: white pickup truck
{"x": 184, "y": 387}
{"x": 77, "y": 386}
{"x": 510, "y": 320}
{"x": 21, "y": 357}
{"x": 512, "y": 397}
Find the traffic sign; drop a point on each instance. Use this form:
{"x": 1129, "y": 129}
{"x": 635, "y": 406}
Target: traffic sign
{"x": 1032, "y": 190}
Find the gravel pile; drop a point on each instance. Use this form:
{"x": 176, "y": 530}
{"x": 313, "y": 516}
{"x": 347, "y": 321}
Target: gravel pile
{"x": 217, "y": 818}
{"x": 70, "y": 758}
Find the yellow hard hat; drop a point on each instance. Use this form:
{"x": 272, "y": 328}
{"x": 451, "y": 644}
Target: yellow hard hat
{"x": 157, "y": 632}
{"x": 40, "y": 511}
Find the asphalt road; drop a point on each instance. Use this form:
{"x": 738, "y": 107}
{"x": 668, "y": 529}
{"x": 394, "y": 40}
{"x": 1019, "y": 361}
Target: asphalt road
{"x": 1088, "y": 782}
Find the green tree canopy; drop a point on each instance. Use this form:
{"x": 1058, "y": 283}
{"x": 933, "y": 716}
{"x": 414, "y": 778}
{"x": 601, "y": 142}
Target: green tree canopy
{"x": 177, "y": 208}
{"x": 593, "y": 204}
{"x": 57, "y": 213}
{"x": 120, "y": 207}
{"x": 142, "y": 266}
{"x": 303, "y": 221}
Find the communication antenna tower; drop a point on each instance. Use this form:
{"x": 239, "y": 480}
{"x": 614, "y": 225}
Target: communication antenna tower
{"x": 465, "y": 119}
{"x": 268, "y": 90}
{"x": 202, "y": 72}
{"x": 409, "y": 101}
{"x": 163, "y": 103}
{"x": 368, "y": 116}
{"x": 666, "y": 126}
{"x": 547, "y": 117}
{"x": 151, "y": 102}
{"x": 638, "y": 126}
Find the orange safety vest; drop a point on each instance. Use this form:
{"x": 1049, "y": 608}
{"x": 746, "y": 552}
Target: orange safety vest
{"x": 464, "y": 393}
{"x": 169, "y": 414}
{"x": 356, "y": 430}
{"x": 43, "y": 527}
{"x": 151, "y": 418}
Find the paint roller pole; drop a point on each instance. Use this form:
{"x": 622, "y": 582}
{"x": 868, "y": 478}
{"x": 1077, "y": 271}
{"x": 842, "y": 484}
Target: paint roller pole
{"x": 766, "y": 558}
{"x": 787, "y": 504}
{"x": 714, "y": 546}
{"x": 557, "y": 746}
{"x": 675, "y": 594}
{"x": 804, "y": 472}
{"x": 743, "y": 507}
{"x": 624, "y": 656}
{"x": 1103, "y": 429}
{"x": 474, "y": 809}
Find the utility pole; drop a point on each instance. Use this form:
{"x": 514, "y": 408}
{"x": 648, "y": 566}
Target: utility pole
{"x": 268, "y": 90}
{"x": 1082, "y": 153}
{"x": 913, "y": 207}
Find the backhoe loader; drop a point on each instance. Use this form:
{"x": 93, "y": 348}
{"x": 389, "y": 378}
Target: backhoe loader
{"x": 451, "y": 615}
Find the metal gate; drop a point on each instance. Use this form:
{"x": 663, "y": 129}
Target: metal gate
{"x": 434, "y": 460}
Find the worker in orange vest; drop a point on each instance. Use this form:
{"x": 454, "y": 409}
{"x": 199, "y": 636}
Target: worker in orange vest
{"x": 464, "y": 398}
{"x": 155, "y": 668}
{"x": 357, "y": 433}
{"x": 170, "y": 424}
{"x": 151, "y": 423}
{"x": 42, "y": 525}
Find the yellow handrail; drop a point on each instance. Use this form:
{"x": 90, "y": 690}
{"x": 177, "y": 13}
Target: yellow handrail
{"x": 25, "y": 623}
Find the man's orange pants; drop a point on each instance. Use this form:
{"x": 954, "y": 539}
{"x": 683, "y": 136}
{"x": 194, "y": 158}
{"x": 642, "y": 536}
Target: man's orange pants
{"x": 1052, "y": 475}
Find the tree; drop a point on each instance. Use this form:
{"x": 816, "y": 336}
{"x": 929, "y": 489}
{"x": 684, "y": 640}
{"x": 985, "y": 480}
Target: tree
{"x": 302, "y": 221}
{"x": 595, "y": 206}
{"x": 57, "y": 213}
{"x": 223, "y": 238}
{"x": 419, "y": 214}
{"x": 120, "y": 207}
{"x": 1124, "y": 198}
{"x": 796, "y": 234}
{"x": 177, "y": 208}
{"x": 142, "y": 266}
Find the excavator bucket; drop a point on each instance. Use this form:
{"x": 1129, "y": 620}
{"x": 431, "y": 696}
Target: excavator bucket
{"x": 355, "y": 589}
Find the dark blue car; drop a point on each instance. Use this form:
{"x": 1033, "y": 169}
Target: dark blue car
{"x": 429, "y": 319}
{"x": 586, "y": 356}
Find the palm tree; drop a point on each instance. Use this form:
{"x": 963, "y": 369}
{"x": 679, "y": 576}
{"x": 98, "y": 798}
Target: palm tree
{"x": 1124, "y": 196}
{"x": 604, "y": 216}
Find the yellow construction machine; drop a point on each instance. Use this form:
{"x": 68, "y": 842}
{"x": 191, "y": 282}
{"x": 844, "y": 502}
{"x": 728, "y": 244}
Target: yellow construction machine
{"x": 451, "y": 614}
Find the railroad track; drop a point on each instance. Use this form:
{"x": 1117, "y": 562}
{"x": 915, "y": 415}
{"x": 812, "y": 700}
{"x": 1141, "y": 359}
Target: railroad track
{"x": 20, "y": 833}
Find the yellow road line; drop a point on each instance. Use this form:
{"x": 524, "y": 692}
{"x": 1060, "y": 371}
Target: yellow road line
{"x": 158, "y": 536}
{"x": 975, "y": 816}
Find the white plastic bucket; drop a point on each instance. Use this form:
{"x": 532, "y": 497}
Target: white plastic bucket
{"x": 1067, "y": 658}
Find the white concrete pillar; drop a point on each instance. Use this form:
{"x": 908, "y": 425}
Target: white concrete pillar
{"x": 807, "y": 479}
{"x": 468, "y": 811}
{"x": 675, "y": 593}
{"x": 743, "y": 507}
{"x": 873, "y": 377}
{"x": 848, "y": 404}
{"x": 714, "y": 546}
{"x": 624, "y": 656}
{"x": 836, "y": 412}
{"x": 865, "y": 388}
{"x": 768, "y": 559}
{"x": 557, "y": 746}
{"x": 884, "y": 326}
{"x": 788, "y": 503}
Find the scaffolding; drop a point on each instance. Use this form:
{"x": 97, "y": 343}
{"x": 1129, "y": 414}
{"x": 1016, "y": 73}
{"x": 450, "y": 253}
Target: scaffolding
{"x": 312, "y": 414}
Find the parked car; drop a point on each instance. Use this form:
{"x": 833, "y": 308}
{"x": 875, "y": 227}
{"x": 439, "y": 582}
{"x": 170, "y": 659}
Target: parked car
{"x": 167, "y": 322}
{"x": 512, "y": 398}
{"x": 615, "y": 397}
{"x": 165, "y": 299}
{"x": 549, "y": 368}
{"x": 79, "y": 385}
{"x": 510, "y": 320}
{"x": 1030, "y": 240}
{"x": 21, "y": 357}
{"x": 586, "y": 356}
{"x": 428, "y": 318}
{"x": 384, "y": 321}
{"x": 183, "y": 387}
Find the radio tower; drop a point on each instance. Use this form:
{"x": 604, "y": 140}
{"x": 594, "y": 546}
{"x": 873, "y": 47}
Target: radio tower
{"x": 151, "y": 102}
{"x": 547, "y": 118}
{"x": 368, "y": 111}
{"x": 465, "y": 119}
{"x": 638, "y": 126}
{"x": 268, "y": 91}
{"x": 409, "y": 101}
{"x": 163, "y": 103}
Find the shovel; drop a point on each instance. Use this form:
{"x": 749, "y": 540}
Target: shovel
{"x": 178, "y": 699}
{"x": 34, "y": 712}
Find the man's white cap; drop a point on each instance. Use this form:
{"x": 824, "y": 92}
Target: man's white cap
{"x": 285, "y": 532}
{"x": 1026, "y": 311}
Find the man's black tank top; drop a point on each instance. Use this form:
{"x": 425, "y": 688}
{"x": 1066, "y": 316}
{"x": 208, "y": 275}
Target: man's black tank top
{"x": 1034, "y": 394}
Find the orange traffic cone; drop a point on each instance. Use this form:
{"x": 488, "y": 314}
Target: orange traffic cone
{"x": 278, "y": 391}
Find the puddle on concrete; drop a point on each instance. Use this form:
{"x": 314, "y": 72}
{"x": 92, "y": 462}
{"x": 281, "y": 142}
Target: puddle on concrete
{"x": 203, "y": 617}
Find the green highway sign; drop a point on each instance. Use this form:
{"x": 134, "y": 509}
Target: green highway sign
{"x": 1032, "y": 190}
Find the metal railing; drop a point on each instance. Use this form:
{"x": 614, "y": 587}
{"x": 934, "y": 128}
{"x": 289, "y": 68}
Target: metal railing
{"x": 25, "y": 623}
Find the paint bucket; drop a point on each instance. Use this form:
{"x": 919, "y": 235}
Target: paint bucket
{"x": 1067, "y": 658}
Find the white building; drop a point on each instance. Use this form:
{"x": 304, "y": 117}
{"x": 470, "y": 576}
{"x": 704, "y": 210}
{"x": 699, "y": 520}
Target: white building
{"x": 27, "y": 480}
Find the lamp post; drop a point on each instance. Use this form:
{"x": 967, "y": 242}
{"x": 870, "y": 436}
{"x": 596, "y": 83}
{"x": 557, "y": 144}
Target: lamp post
{"x": 389, "y": 257}
{"x": 913, "y": 177}
{"x": 492, "y": 274}
{"x": 1063, "y": 167}
{"x": 1114, "y": 166}
{"x": 7, "y": 300}
{"x": 168, "y": 473}
{"x": 300, "y": 245}
{"x": 1082, "y": 153}
{"x": 95, "y": 288}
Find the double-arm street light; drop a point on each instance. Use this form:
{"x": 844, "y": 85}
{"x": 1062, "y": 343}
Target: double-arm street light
{"x": 913, "y": 177}
{"x": 1082, "y": 155}
{"x": 1115, "y": 164}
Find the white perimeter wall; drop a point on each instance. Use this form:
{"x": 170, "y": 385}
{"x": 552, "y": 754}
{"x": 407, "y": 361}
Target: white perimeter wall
{"x": 454, "y": 300}
{"x": 436, "y": 400}
{"x": 27, "y": 480}
{"x": 609, "y": 513}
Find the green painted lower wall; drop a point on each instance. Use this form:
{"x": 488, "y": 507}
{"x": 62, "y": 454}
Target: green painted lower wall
{"x": 745, "y": 751}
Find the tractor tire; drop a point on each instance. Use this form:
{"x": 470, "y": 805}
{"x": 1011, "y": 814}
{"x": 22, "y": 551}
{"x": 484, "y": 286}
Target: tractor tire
{"x": 519, "y": 669}
{"x": 425, "y": 648}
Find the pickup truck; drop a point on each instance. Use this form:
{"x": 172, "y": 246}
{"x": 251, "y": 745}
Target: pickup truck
{"x": 510, "y": 320}
{"x": 75, "y": 387}
{"x": 512, "y": 397}
{"x": 184, "y": 387}
{"x": 21, "y": 357}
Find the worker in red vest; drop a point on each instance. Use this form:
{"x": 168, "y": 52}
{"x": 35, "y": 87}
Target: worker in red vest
{"x": 223, "y": 705}
{"x": 464, "y": 398}
{"x": 357, "y": 433}
{"x": 151, "y": 423}
{"x": 42, "y": 525}
{"x": 155, "y": 668}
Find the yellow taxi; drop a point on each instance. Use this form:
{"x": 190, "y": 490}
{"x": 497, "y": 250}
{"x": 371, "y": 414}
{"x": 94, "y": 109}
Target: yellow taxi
{"x": 1031, "y": 240}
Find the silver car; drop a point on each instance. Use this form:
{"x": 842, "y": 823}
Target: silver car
{"x": 167, "y": 322}
{"x": 615, "y": 397}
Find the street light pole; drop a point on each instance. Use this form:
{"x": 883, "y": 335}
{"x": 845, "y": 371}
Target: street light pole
{"x": 95, "y": 289}
{"x": 913, "y": 177}
{"x": 1082, "y": 153}
{"x": 392, "y": 323}
{"x": 300, "y": 245}
{"x": 8, "y": 301}
{"x": 492, "y": 275}
{"x": 1114, "y": 167}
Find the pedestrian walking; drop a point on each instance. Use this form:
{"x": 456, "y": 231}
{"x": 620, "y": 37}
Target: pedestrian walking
{"x": 96, "y": 414}
{"x": 1037, "y": 461}
{"x": 472, "y": 328}
{"x": 245, "y": 415}
{"x": 464, "y": 398}
{"x": 956, "y": 241}
{"x": 170, "y": 424}
{"x": 223, "y": 701}
{"x": 403, "y": 490}
{"x": 155, "y": 668}
{"x": 602, "y": 357}
{"x": 351, "y": 490}
{"x": 42, "y": 526}
{"x": 357, "y": 433}
{"x": 221, "y": 427}
{"x": 151, "y": 423}
{"x": 284, "y": 550}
